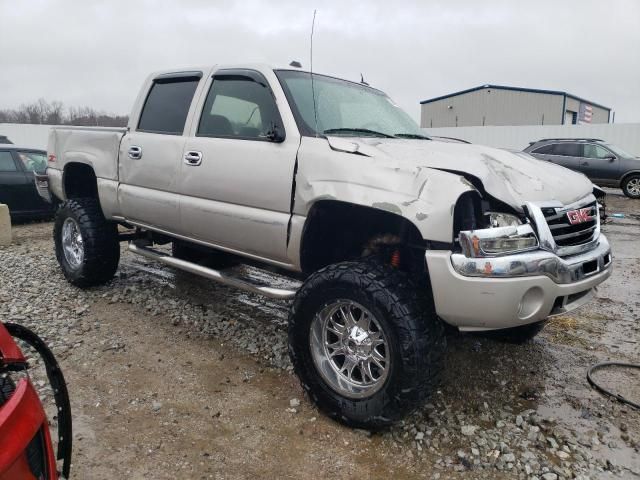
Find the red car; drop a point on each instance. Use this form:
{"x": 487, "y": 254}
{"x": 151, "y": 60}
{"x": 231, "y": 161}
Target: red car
{"x": 26, "y": 449}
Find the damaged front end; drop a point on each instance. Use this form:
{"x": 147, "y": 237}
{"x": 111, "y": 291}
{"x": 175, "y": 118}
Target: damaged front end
{"x": 511, "y": 267}
{"x": 488, "y": 228}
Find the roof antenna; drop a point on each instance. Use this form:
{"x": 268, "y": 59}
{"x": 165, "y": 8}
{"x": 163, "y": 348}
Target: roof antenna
{"x": 362, "y": 80}
{"x": 313, "y": 91}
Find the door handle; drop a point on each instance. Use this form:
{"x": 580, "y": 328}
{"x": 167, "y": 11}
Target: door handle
{"x": 135, "y": 152}
{"x": 193, "y": 158}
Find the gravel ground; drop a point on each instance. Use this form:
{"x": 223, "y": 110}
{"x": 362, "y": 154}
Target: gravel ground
{"x": 171, "y": 373}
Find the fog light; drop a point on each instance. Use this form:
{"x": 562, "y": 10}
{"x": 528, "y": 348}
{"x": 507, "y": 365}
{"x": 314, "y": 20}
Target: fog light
{"x": 531, "y": 303}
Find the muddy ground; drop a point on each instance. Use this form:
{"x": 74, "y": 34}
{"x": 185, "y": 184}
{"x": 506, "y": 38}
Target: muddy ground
{"x": 173, "y": 377}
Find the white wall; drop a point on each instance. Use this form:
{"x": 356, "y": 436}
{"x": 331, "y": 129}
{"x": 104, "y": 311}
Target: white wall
{"x": 32, "y": 136}
{"x": 625, "y": 135}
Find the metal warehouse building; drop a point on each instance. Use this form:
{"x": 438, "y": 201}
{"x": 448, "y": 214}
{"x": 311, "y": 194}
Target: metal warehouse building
{"x": 501, "y": 105}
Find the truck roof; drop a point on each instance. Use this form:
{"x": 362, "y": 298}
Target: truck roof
{"x": 261, "y": 67}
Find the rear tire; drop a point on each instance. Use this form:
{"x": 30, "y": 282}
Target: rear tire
{"x": 404, "y": 318}
{"x": 631, "y": 186}
{"x": 87, "y": 246}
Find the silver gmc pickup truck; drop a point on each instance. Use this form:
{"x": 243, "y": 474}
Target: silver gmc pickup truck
{"x": 389, "y": 233}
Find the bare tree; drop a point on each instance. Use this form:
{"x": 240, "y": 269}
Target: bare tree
{"x": 55, "y": 113}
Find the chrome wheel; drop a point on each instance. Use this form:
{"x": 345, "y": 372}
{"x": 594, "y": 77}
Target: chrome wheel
{"x": 72, "y": 243}
{"x": 633, "y": 186}
{"x": 350, "y": 349}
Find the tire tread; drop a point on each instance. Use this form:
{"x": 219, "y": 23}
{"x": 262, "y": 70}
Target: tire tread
{"x": 419, "y": 332}
{"x": 101, "y": 245}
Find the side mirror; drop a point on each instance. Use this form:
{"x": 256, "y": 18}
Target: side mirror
{"x": 275, "y": 134}
{"x": 611, "y": 158}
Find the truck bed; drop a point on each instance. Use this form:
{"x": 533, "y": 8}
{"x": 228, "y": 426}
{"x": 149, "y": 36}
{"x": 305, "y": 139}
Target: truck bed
{"x": 94, "y": 146}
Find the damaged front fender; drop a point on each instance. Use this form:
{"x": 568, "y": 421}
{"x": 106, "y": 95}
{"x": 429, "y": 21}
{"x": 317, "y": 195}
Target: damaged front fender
{"x": 426, "y": 197}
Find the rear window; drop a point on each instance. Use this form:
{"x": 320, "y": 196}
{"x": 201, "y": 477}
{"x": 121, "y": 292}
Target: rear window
{"x": 6, "y": 162}
{"x": 167, "y": 105}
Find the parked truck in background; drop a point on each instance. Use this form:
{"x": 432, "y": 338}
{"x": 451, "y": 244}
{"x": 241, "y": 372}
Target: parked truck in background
{"x": 328, "y": 181}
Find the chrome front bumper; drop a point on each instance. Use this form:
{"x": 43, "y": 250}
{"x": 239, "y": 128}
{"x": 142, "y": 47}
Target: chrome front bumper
{"x": 512, "y": 290}
{"x": 538, "y": 262}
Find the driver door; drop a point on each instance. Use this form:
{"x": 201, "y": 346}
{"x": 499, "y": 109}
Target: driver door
{"x": 236, "y": 176}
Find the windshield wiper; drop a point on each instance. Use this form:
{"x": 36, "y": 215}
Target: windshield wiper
{"x": 412, "y": 135}
{"x": 358, "y": 130}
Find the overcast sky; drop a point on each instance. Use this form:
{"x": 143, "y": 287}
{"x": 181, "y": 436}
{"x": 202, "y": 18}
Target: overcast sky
{"x": 97, "y": 53}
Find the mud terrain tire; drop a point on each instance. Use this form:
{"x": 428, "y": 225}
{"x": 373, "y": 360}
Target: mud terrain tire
{"x": 92, "y": 259}
{"x": 414, "y": 338}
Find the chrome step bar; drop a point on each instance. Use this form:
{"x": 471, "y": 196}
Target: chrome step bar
{"x": 211, "y": 274}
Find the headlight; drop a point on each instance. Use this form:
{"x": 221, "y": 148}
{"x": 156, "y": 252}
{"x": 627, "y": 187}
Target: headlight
{"x": 497, "y": 246}
{"x": 491, "y": 242}
{"x": 497, "y": 219}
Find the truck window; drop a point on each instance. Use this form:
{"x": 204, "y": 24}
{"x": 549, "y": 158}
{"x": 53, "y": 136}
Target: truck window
{"x": 238, "y": 107}
{"x": 6, "y": 162}
{"x": 167, "y": 105}
{"x": 342, "y": 105}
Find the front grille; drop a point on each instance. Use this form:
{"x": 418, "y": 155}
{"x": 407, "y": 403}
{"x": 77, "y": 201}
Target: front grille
{"x": 564, "y": 233}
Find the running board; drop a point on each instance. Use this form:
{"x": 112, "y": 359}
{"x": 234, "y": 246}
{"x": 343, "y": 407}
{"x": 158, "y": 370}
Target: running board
{"x": 211, "y": 274}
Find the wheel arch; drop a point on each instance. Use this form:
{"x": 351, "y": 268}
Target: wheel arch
{"x": 421, "y": 208}
{"x": 337, "y": 230}
{"x": 79, "y": 181}
{"x": 627, "y": 175}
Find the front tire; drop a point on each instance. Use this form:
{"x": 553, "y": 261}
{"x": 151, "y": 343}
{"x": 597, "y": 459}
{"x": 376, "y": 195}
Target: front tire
{"x": 86, "y": 244}
{"x": 365, "y": 343}
{"x": 631, "y": 186}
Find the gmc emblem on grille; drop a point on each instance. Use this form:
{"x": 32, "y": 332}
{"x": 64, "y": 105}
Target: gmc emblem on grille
{"x": 579, "y": 216}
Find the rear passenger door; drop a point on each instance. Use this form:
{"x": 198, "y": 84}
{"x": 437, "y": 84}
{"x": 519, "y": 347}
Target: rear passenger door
{"x": 237, "y": 171}
{"x": 13, "y": 183}
{"x": 566, "y": 154}
{"x": 150, "y": 156}
{"x": 600, "y": 164}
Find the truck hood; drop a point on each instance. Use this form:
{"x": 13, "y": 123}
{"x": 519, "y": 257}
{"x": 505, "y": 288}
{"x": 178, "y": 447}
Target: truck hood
{"x": 512, "y": 177}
